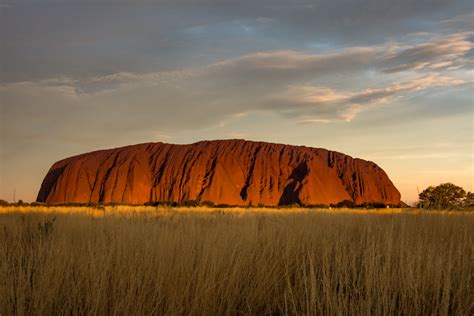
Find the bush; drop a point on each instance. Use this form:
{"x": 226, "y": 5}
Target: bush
{"x": 345, "y": 203}
{"x": 374, "y": 205}
{"x": 207, "y": 203}
{"x": 162, "y": 203}
{"x": 290, "y": 205}
{"x": 317, "y": 206}
{"x": 39, "y": 204}
{"x": 152, "y": 203}
{"x": 190, "y": 203}
{"x": 222, "y": 206}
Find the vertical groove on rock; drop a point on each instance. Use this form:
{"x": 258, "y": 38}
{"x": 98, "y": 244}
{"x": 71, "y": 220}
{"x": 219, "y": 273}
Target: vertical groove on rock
{"x": 106, "y": 176}
{"x": 243, "y": 192}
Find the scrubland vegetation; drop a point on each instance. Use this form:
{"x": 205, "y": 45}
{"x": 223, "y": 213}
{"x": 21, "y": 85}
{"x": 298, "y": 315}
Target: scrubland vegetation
{"x": 146, "y": 260}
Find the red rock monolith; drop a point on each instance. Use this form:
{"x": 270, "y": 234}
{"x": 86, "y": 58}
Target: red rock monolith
{"x": 234, "y": 172}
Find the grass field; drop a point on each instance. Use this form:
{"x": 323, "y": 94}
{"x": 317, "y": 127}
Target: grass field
{"x": 126, "y": 260}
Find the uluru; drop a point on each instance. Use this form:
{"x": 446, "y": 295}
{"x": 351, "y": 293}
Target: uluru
{"x": 232, "y": 172}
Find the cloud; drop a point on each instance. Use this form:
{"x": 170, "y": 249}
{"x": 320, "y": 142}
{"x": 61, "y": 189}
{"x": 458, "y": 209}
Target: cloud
{"x": 322, "y": 104}
{"x": 295, "y": 84}
{"x": 90, "y": 38}
{"x": 436, "y": 53}
{"x": 272, "y": 67}
{"x": 440, "y": 52}
{"x": 300, "y": 86}
{"x": 421, "y": 83}
{"x": 460, "y": 22}
{"x": 306, "y": 87}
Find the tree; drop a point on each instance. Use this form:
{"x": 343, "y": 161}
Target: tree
{"x": 444, "y": 196}
{"x": 469, "y": 200}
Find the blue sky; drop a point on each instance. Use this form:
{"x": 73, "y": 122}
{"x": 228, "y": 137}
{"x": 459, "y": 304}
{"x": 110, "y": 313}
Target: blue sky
{"x": 388, "y": 81}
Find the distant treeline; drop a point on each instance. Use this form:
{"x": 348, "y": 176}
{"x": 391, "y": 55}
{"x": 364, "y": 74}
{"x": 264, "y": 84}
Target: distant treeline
{"x": 192, "y": 203}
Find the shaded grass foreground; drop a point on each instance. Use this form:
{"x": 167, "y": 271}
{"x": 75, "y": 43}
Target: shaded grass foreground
{"x": 232, "y": 263}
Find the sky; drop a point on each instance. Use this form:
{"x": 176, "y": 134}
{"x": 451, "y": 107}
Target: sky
{"x": 382, "y": 80}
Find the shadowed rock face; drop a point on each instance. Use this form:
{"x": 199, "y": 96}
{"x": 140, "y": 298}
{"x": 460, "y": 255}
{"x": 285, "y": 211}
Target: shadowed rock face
{"x": 234, "y": 172}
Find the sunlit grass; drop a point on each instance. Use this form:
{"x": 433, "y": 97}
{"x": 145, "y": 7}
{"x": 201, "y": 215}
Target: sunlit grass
{"x": 128, "y": 210}
{"x": 206, "y": 261}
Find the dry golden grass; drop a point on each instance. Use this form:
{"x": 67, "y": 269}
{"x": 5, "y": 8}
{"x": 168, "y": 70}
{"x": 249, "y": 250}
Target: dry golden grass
{"x": 208, "y": 262}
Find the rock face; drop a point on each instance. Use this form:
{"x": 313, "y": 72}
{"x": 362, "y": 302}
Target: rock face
{"x": 234, "y": 172}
